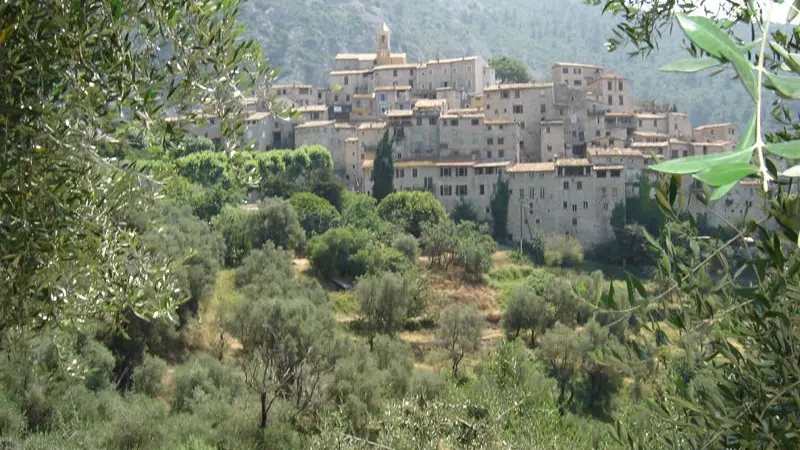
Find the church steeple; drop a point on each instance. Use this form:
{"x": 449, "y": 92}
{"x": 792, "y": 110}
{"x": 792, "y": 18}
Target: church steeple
{"x": 384, "y": 45}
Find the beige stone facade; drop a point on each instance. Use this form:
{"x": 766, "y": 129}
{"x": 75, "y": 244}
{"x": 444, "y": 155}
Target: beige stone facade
{"x": 571, "y": 148}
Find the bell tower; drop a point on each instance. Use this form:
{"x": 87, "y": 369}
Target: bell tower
{"x": 384, "y": 45}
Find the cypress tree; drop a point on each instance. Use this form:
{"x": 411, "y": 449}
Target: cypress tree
{"x": 383, "y": 172}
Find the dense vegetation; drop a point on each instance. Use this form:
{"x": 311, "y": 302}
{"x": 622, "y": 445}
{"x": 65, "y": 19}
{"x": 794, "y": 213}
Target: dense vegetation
{"x": 302, "y": 38}
{"x": 146, "y": 303}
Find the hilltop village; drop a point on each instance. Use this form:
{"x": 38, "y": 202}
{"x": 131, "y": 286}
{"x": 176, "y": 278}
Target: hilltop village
{"x": 571, "y": 148}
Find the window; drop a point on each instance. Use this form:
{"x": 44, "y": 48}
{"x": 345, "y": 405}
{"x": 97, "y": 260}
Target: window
{"x": 585, "y": 205}
{"x": 444, "y": 172}
{"x": 543, "y": 108}
{"x": 580, "y": 185}
{"x": 479, "y": 171}
{"x": 490, "y": 141}
{"x": 565, "y": 205}
{"x": 500, "y": 141}
{"x": 399, "y": 173}
{"x": 655, "y": 123}
{"x": 383, "y": 97}
{"x": 603, "y": 191}
{"x": 517, "y": 109}
{"x": 621, "y": 102}
{"x": 549, "y": 148}
{"x": 640, "y": 122}
{"x": 488, "y": 155}
{"x": 461, "y": 171}
{"x": 605, "y": 206}
{"x": 335, "y": 99}
{"x": 461, "y": 190}
{"x": 414, "y": 173}
{"x": 454, "y": 123}
{"x": 532, "y": 194}
{"x": 613, "y": 192}
{"x": 445, "y": 190}
{"x": 601, "y": 174}
{"x": 482, "y": 189}
{"x": 547, "y": 129}
{"x": 419, "y": 121}
{"x": 394, "y": 73}
{"x": 674, "y": 154}
{"x": 516, "y": 93}
{"x": 574, "y": 221}
{"x": 501, "y": 154}
{"x": 432, "y": 121}
{"x": 347, "y": 98}
{"x": 522, "y": 193}
{"x": 610, "y": 86}
{"x": 577, "y": 82}
{"x": 504, "y": 94}
{"x": 620, "y": 85}
{"x": 566, "y": 185}
{"x": 541, "y": 193}
{"x": 574, "y": 208}
{"x": 522, "y": 145}
{"x": 476, "y": 122}
{"x": 564, "y": 70}
{"x": 346, "y": 81}
{"x": 490, "y": 171}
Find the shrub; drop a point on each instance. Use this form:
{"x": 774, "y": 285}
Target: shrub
{"x": 384, "y": 302}
{"x": 563, "y": 251}
{"x": 333, "y": 253}
{"x": 408, "y": 246}
{"x": 147, "y": 376}
{"x": 277, "y": 221}
{"x": 360, "y": 211}
{"x": 376, "y": 258}
{"x": 464, "y": 211}
{"x": 411, "y": 209}
{"x": 394, "y": 357}
{"x": 12, "y": 421}
{"x": 137, "y": 421}
{"x": 99, "y": 363}
{"x": 316, "y": 215}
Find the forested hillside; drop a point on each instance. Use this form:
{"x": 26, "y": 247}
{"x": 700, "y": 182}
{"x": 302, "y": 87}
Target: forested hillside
{"x": 302, "y": 37}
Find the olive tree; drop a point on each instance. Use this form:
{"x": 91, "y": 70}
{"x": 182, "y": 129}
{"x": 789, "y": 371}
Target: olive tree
{"x": 527, "y": 311}
{"x": 459, "y": 332}
{"x": 288, "y": 346}
{"x": 384, "y": 300}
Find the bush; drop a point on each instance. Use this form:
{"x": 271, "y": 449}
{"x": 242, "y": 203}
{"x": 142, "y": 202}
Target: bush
{"x": 360, "y": 211}
{"x": 147, "y": 376}
{"x": 277, "y": 221}
{"x": 394, "y": 357}
{"x": 467, "y": 245}
{"x": 427, "y": 385}
{"x": 12, "y": 421}
{"x": 236, "y": 225}
{"x": 408, "y": 246}
{"x": 137, "y": 421}
{"x": 333, "y": 253}
{"x": 99, "y": 363}
{"x": 563, "y": 251}
{"x": 315, "y": 214}
{"x": 376, "y": 258}
{"x": 411, "y": 209}
{"x": 464, "y": 211}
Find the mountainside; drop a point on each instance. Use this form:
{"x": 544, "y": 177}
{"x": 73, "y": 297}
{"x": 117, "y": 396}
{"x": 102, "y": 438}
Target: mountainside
{"x": 302, "y": 37}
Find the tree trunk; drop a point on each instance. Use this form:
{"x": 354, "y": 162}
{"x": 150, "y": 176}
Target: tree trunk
{"x": 263, "y": 424}
{"x": 533, "y": 338}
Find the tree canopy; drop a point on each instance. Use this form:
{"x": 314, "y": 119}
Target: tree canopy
{"x": 510, "y": 70}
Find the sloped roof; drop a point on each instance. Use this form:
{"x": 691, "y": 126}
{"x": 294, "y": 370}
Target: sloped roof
{"x": 532, "y": 167}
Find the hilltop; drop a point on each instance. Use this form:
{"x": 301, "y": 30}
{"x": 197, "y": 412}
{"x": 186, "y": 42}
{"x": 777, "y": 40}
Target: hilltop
{"x": 302, "y": 37}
